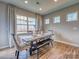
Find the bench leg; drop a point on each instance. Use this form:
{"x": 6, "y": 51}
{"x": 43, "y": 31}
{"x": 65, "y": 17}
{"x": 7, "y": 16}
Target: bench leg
{"x": 37, "y": 53}
{"x": 51, "y": 41}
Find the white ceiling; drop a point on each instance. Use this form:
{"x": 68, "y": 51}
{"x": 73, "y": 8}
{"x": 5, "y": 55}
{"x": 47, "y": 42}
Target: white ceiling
{"x": 48, "y": 6}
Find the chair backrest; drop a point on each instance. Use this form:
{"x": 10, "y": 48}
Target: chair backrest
{"x": 16, "y": 41}
{"x": 30, "y": 32}
{"x": 23, "y": 38}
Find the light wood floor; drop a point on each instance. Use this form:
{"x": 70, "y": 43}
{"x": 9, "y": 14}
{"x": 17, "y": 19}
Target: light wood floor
{"x": 58, "y": 51}
{"x": 62, "y": 51}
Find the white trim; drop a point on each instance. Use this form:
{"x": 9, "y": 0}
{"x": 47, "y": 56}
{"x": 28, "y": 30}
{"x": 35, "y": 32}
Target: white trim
{"x": 72, "y": 44}
{"x": 4, "y": 47}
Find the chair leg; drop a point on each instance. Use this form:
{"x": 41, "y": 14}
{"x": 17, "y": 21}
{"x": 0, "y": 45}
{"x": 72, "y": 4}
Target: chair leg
{"x": 17, "y": 54}
{"x": 30, "y": 51}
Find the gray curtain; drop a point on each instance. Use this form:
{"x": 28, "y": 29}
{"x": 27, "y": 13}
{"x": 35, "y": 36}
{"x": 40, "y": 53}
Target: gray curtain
{"x": 11, "y": 23}
{"x": 39, "y": 22}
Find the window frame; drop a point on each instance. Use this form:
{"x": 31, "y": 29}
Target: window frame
{"x": 55, "y": 20}
{"x": 31, "y": 24}
{"x": 72, "y": 16}
{"x": 47, "y": 21}
{"x": 21, "y": 24}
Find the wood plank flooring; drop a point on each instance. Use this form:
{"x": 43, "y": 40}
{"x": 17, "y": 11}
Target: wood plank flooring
{"x": 58, "y": 51}
{"x": 62, "y": 51}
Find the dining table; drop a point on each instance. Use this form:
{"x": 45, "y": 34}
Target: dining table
{"x": 35, "y": 38}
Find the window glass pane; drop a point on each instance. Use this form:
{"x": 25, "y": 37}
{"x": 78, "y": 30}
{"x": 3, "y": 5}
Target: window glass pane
{"x": 18, "y": 21}
{"x": 18, "y": 17}
{"x": 31, "y": 21}
{"x": 25, "y": 18}
{"x": 21, "y": 28}
{"x": 31, "y": 24}
{"x": 31, "y": 28}
{"x": 46, "y": 21}
{"x": 18, "y": 28}
{"x": 72, "y": 16}
{"x": 21, "y": 24}
{"x": 56, "y": 19}
{"x": 22, "y": 17}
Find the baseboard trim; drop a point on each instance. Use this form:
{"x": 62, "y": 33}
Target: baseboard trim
{"x": 5, "y": 47}
{"x": 72, "y": 44}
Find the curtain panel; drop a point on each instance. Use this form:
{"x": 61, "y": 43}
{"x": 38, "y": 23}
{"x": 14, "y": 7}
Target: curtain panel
{"x": 11, "y": 23}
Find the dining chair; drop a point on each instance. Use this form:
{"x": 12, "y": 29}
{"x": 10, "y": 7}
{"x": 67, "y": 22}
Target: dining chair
{"x": 19, "y": 47}
{"x": 29, "y": 32}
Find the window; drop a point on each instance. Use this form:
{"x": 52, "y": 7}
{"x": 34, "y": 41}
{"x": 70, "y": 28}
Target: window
{"x": 72, "y": 16}
{"x": 46, "y": 21}
{"x": 31, "y": 24}
{"x": 21, "y": 24}
{"x": 25, "y": 24}
{"x": 56, "y": 19}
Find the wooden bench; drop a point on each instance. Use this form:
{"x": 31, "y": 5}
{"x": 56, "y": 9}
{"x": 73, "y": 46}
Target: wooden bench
{"x": 40, "y": 44}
